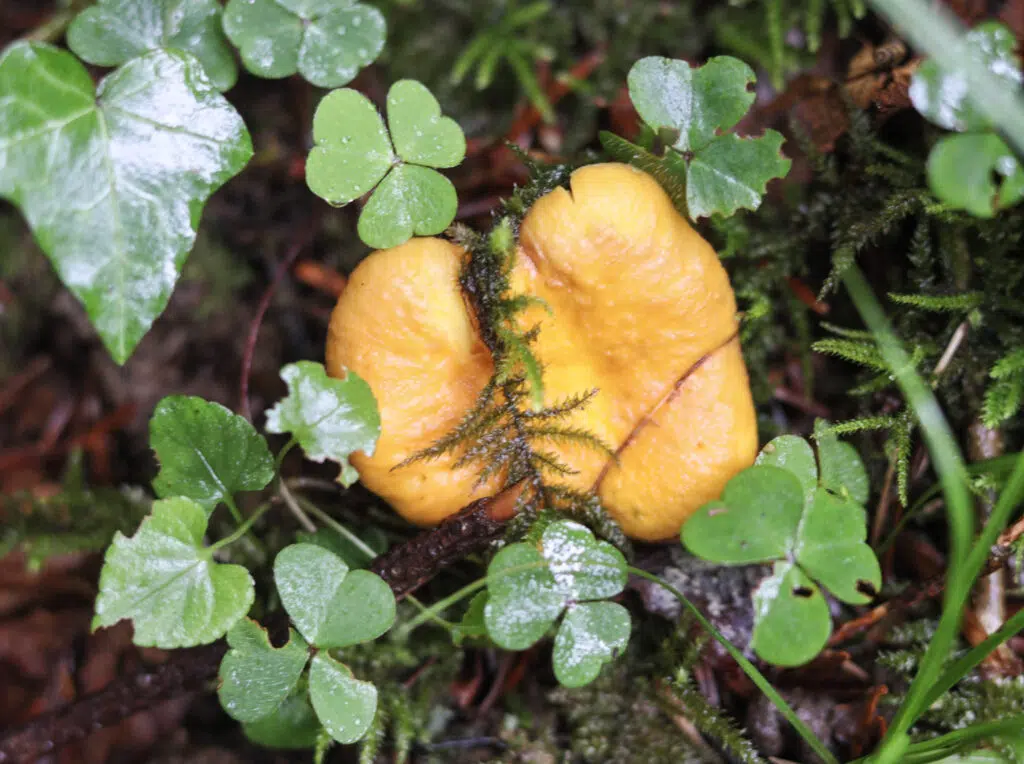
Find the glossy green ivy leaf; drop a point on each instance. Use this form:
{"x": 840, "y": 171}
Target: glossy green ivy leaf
{"x": 591, "y": 634}
{"x": 345, "y": 705}
{"x": 330, "y": 418}
{"x": 975, "y": 172}
{"x": 794, "y": 454}
{"x": 584, "y": 568}
{"x": 330, "y": 605}
{"x": 940, "y": 92}
{"x": 113, "y": 181}
{"x": 292, "y": 725}
{"x": 756, "y": 519}
{"x": 842, "y": 470}
{"x": 255, "y": 676}
{"x": 690, "y": 108}
{"x": 353, "y": 155}
{"x": 166, "y": 582}
{"x": 327, "y": 42}
{"x": 523, "y": 597}
{"x": 115, "y": 31}
{"x": 791, "y": 618}
{"x": 206, "y": 452}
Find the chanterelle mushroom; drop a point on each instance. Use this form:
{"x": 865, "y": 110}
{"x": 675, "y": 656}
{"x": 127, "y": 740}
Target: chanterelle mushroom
{"x": 640, "y": 308}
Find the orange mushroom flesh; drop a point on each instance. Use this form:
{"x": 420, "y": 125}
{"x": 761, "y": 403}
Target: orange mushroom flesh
{"x": 640, "y": 309}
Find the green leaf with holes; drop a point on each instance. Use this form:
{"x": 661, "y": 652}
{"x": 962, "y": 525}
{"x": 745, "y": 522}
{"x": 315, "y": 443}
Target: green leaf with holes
{"x": 206, "y": 453}
{"x": 345, "y": 705}
{"x": 167, "y": 583}
{"x": 791, "y": 618}
{"x": 113, "y": 179}
{"x": 830, "y": 548}
{"x": 329, "y": 418}
{"x": 326, "y": 42}
{"x": 354, "y": 154}
{"x": 591, "y": 634}
{"x": 255, "y": 676}
{"x": 115, "y": 31}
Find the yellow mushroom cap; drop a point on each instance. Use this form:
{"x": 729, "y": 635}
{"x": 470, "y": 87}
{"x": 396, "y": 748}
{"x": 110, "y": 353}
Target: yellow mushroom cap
{"x": 640, "y": 309}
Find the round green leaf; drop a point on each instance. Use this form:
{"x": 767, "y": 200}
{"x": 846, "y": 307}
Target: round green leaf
{"x": 976, "y": 172}
{"x": 794, "y": 454}
{"x": 345, "y": 705}
{"x": 330, "y": 418}
{"x": 411, "y": 200}
{"x": 591, "y": 634}
{"x": 206, "y": 453}
{"x": 114, "y": 31}
{"x": 167, "y": 584}
{"x": 292, "y": 725}
{"x": 584, "y": 568}
{"x": 267, "y": 36}
{"x": 255, "y": 676}
{"x": 344, "y": 547}
{"x": 336, "y": 46}
{"x": 352, "y": 152}
{"x": 112, "y": 182}
{"x": 310, "y": 9}
{"x": 523, "y": 599}
{"x": 755, "y": 521}
{"x": 842, "y": 470}
{"x": 732, "y": 173}
{"x": 791, "y": 618}
{"x": 831, "y": 548}
{"x": 421, "y": 134}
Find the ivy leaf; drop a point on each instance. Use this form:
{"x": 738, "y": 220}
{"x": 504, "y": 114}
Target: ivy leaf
{"x": 791, "y": 618}
{"x": 331, "y": 606}
{"x": 523, "y": 597}
{"x": 292, "y": 725}
{"x": 113, "y": 181}
{"x": 345, "y": 705}
{"x": 115, "y": 31}
{"x": 794, "y": 454}
{"x": 255, "y": 676}
{"x": 206, "y": 453}
{"x": 842, "y": 470}
{"x": 591, "y": 634}
{"x": 330, "y": 418}
{"x": 583, "y": 567}
{"x": 940, "y": 93}
{"x": 326, "y": 42}
{"x": 756, "y": 519}
{"x": 353, "y": 155}
{"x": 975, "y": 172}
{"x": 830, "y": 547}
{"x": 167, "y": 583}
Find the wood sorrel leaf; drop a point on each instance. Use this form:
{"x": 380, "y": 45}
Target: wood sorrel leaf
{"x": 344, "y": 704}
{"x": 255, "y": 676}
{"x": 791, "y": 619}
{"x": 591, "y": 634}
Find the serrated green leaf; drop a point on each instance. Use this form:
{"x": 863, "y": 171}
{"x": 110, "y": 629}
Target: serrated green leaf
{"x": 114, "y": 31}
{"x": 794, "y": 454}
{"x": 591, "y": 634}
{"x": 206, "y": 453}
{"x": 842, "y": 470}
{"x": 326, "y": 42}
{"x": 831, "y": 549}
{"x": 584, "y": 568}
{"x": 292, "y": 725}
{"x": 732, "y": 173}
{"x": 167, "y": 583}
{"x": 940, "y": 93}
{"x": 962, "y": 172}
{"x": 756, "y": 519}
{"x": 113, "y": 181}
{"x": 330, "y": 605}
{"x": 255, "y": 676}
{"x": 523, "y": 597}
{"x": 791, "y": 618}
{"x": 411, "y": 200}
{"x": 421, "y": 135}
{"x": 344, "y": 704}
{"x": 330, "y": 418}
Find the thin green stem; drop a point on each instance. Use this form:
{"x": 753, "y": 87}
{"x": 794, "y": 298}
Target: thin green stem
{"x": 748, "y": 668}
{"x": 293, "y": 505}
{"x": 951, "y": 743}
{"x": 441, "y": 605}
{"x": 279, "y": 459}
{"x": 233, "y": 508}
{"x": 242, "y": 529}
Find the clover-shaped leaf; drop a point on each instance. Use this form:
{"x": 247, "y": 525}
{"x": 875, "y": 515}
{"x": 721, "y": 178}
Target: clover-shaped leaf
{"x": 842, "y": 469}
{"x": 113, "y": 180}
{"x": 523, "y": 598}
{"x": 795, "y": 455}
{"x": 584, "y": 568}
{"x": 354, "y": 155}
{"x": 689, "y": 109}
{"x": 293, "y": 724}
{"x": 344, "y": 704}
{"x": 255, "y": 676}
{"x": 114, "y": 31}
{"x": 791, "y": 618}
{"x": 206, "y": 453}
{"x": 591, "y": 634}
{"x": 326, "y": 42}
{"x": 167, "y": 583}
{"x": 330, "y": 418}
{"x": 330, "y": 605}
{"x": 975, "y": 172}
